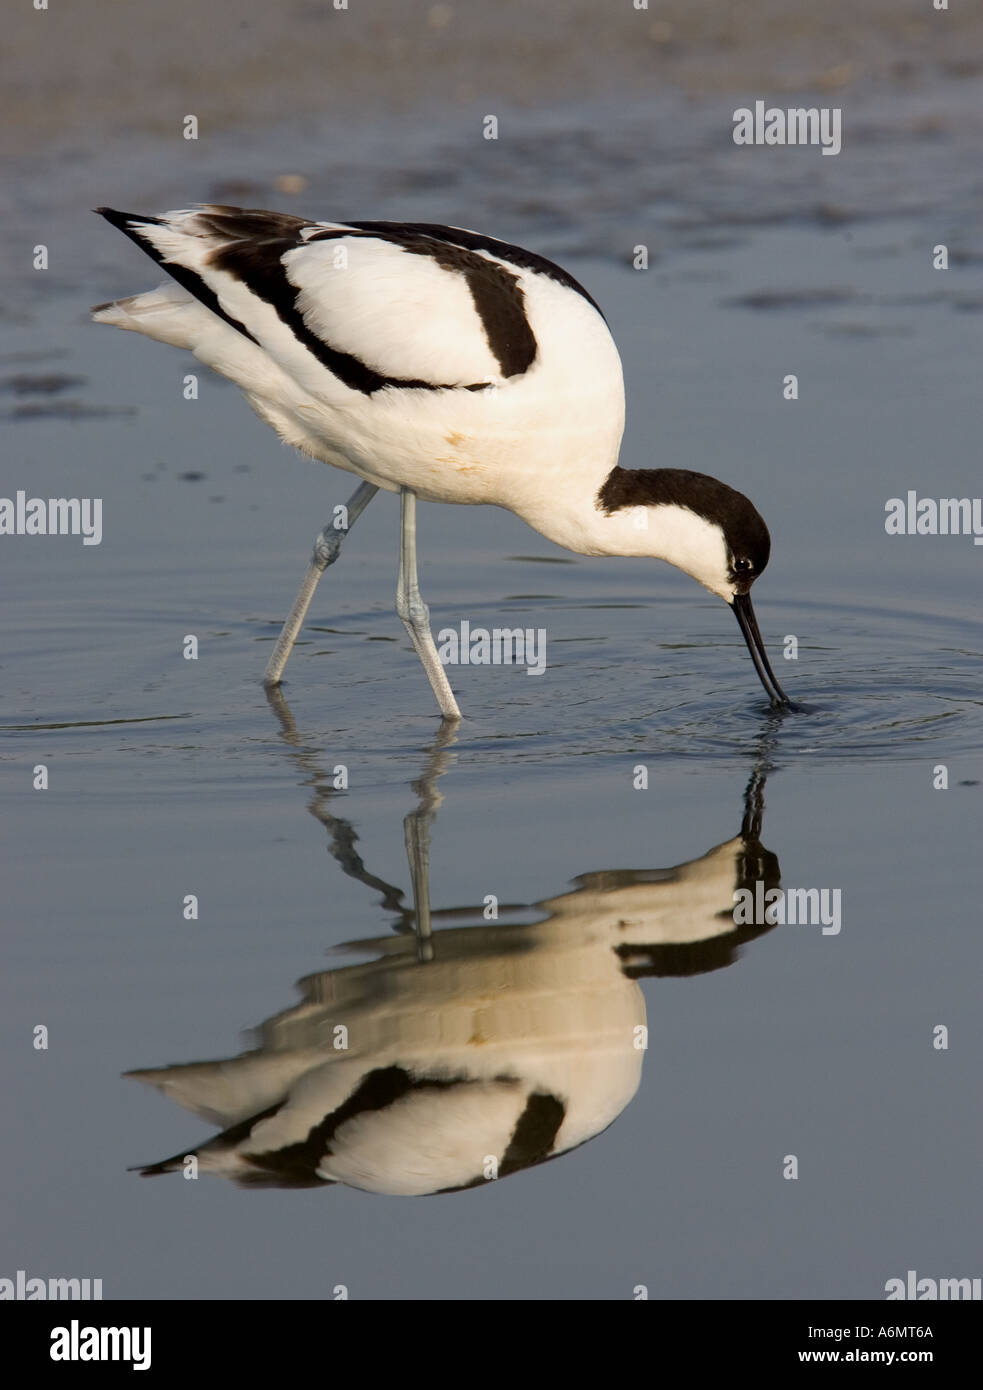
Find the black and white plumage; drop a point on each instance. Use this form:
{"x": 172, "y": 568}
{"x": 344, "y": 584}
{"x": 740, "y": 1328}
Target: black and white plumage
{"x": 444, "y": 365}
{"x": 511, "y": 1046}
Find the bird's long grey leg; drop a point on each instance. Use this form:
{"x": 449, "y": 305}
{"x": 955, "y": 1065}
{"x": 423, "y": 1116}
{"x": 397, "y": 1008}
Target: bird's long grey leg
{"x": 326, "y": 549}
{"x": 415, "y": 613}
{"x": 416, "y": 832}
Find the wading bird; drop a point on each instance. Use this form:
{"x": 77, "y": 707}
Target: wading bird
{"x": 441, "y": 364}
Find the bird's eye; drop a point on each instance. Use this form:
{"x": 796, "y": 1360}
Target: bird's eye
{"x": 743, "y": 566}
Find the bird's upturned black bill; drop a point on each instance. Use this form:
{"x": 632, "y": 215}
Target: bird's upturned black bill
{"x": 752, "y": 636}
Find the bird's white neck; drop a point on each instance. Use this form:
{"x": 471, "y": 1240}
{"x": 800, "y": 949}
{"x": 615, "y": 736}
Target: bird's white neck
{"x": 575, "y": 518}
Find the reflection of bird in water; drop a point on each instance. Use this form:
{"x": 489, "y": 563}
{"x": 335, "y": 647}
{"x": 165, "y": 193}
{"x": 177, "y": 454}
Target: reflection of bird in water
{"x": 470, "y": 1052}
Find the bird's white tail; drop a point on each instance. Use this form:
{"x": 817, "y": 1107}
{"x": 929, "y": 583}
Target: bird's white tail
{"x": 169, "y": 314}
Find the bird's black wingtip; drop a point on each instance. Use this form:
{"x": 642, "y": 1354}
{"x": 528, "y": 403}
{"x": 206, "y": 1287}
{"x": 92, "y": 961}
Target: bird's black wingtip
{"x": 151, "y": 1170}
{"x": 123, "y": 220}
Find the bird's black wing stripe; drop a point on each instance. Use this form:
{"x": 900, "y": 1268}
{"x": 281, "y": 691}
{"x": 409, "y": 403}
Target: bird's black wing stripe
{"x": 259, "y": 265}
{"x": 495, "y": 292}
{"x": 534, "y": 1134}
{"x": 187, "y": 279}
{"x": 532, "y": 1139}
{"x": 474, "y": 241}
{"x": 376, "y": 1091}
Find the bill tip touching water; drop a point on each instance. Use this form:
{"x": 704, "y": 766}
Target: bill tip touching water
{"x": 444, "y": 365}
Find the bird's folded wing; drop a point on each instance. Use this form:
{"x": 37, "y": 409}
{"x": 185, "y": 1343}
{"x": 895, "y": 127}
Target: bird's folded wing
{"x": 343, "y": 308}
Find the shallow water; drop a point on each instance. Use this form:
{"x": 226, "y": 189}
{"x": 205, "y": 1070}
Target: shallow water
{"x": 170, "y": 777}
